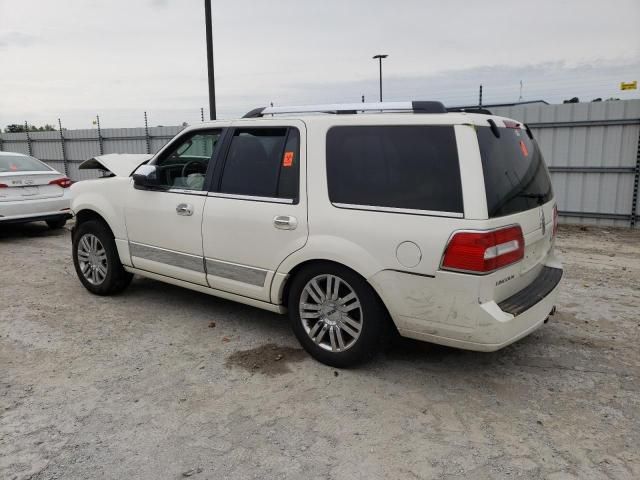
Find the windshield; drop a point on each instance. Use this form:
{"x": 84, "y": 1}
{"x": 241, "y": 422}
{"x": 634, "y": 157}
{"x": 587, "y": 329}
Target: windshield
{"x": 515, "y": 175}
{"x": 19, "y": 163}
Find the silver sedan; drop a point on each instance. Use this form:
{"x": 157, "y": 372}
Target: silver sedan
{"x": 32, "y": 191}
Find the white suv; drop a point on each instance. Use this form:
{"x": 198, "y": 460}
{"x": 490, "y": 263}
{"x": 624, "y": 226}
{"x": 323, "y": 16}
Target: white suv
{"x": 354, "y": 219}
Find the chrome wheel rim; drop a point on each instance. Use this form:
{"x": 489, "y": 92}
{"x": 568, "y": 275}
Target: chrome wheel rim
{"x": 92, "y": 258}
{"x": 331, "y": 313}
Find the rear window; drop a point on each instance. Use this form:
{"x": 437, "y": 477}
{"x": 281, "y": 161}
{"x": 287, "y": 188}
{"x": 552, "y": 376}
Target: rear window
{"x": 405, "y": 167}
{"x": 19, "y": 163}
{"x": 515, "y": 175}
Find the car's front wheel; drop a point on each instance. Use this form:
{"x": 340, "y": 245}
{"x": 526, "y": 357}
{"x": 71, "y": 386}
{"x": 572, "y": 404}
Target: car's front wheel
{"x": 336, "y": 315}
{"x": 96, "y": 259}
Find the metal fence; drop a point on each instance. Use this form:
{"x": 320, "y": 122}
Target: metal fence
{"x": 592, "y": 149}
{"x": 65, "y": 150}
{"x": 593, "y": 153}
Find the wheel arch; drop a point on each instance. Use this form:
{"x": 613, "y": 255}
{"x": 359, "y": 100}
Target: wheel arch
{"x": 286, "y": 286}
{"x": 103, "y": 198}
{"x": 87, "y": 214}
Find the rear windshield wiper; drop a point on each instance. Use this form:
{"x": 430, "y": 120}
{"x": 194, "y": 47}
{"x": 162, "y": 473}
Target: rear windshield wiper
{"x": 537, "y": 196}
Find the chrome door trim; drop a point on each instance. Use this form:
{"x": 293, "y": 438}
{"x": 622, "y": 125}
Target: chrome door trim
{"x": 168, "y": 257}
{"x": 251, "y": 197}
{"x": 185, "y": 191}
{"x": 233, "y": 271}
{"x": 410, "y": 211}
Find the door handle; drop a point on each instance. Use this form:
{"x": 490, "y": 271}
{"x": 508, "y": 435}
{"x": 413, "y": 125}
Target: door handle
{"x": 184, "y": 209}
{"x": 285, "y": 222}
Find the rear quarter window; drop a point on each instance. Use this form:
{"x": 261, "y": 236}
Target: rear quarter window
{"x": 406, "y": 167}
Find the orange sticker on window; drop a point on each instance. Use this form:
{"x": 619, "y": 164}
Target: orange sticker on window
{"x": 524, "y": 149}
{"x": 287, "y": 160}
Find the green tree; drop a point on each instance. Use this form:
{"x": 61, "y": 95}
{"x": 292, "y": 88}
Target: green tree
{"x": 17, "y": 128}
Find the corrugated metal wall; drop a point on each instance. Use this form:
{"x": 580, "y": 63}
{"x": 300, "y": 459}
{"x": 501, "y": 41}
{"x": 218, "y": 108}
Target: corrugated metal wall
{"x": 592, "y": 151}
{"x": 80, "y": 145}
{"x": 591, "y": 148}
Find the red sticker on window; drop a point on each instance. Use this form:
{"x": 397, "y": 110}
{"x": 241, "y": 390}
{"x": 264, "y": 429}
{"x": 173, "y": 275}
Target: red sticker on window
{"x": 287, "y": 160}
{"x": 524, "y": 149}
{"x": 13, "y": 168}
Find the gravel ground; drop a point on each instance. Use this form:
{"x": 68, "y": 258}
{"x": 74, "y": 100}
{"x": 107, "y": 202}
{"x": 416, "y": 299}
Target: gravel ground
{"x": 161, "y": 382}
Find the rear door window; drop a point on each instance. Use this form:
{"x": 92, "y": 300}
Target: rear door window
{"x": 263, "y": 162}
{"x": 402, "y": 167}
{"x": 515, "y": 175}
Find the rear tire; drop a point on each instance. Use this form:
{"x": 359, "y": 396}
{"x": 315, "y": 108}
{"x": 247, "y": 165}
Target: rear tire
{"x": 96, "y": 259}
{"x": 56, "y": 224}
{"x": 340, "y": 326}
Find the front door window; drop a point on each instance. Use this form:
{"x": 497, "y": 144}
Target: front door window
{"x": 184, "y": 166}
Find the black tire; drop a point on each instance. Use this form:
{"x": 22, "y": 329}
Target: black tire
{"x": 116, "y": 278}
{"x": 56, "y": 224}
{"x": 372, "y": 316}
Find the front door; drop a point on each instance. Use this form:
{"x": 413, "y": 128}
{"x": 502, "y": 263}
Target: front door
{"x": 164, "y": 224}
{"x": 256, "y": 212}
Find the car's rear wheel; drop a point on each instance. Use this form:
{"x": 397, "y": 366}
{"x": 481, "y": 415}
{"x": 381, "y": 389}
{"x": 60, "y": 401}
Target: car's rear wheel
{"x": 56, "y": 224}
{"x": 96, "y": 259}
{"x": 336, "y": 315}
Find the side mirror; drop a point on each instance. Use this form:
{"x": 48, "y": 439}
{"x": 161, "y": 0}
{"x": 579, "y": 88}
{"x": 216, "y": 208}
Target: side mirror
{"x": 146, "y": 177}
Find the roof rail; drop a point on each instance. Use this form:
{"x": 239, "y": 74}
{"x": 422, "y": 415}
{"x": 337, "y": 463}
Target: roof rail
{"x": 480, "y": 110}
{"x": 351, "y": 108}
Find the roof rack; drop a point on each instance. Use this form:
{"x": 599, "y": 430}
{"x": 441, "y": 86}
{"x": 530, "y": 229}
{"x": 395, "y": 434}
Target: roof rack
{"x": 480, "y": 110}
{"x": 352, "y": 108}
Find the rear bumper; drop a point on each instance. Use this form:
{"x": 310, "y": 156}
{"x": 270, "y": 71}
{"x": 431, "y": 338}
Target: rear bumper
{"x": 34, "y": 210}
{"x": 542, "y": 286}
{"x": 446, "y": 311}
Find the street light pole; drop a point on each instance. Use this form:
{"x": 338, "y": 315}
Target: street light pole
{"x": 212, "y": 86}
{"x": 380, "y": 57}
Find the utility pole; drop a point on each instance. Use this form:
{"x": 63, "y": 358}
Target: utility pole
{"x": 380, "y": 57}
{"x": 480, "y": 98}
{"x": 212, "y": 87}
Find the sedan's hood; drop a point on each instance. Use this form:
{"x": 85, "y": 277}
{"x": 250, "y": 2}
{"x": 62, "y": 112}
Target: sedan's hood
{"x": 120, "y": 164}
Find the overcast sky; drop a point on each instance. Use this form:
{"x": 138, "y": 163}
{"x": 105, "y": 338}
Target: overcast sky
{"x": 75, "y": 58}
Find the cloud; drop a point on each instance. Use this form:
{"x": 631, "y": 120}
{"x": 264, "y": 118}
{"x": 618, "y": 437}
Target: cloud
{"x": 17, "y": 39}
{"x": 159, "y": 3}
{"x": 550, "y": 81}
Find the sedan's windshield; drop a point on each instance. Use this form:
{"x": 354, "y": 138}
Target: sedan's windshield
{"x": 20, "y": 163}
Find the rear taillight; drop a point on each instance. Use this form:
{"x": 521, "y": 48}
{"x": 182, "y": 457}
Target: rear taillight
{"x": 484, "y": 252}
{"x": 554, "y": 231}
{"x": 63, "y": 182}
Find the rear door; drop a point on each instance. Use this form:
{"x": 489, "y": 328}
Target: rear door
{"x": 256, "y": 212}
{"x": 26, "y": 178}
{"x": 519, "y": 191}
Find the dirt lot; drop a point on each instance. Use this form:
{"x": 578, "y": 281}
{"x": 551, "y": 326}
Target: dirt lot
{"x": 161, "y": 382}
